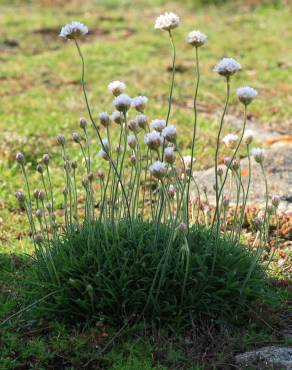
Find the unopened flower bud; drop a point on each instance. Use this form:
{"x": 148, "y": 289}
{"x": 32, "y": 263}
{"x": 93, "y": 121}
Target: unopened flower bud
{"x": 226, "y": 201}
{"x": 275, "y": 201}
{"x": 83, "y": 123}
{"x": 171, "y": 191}
{"x": 48, "y": 206}
{"x": 74, "y": 164}
{"x": 65, "y": 191}
{"x": 41, "y": 195}
{"x": 133, "y": 125}
{"x": 220, "y": 171}
{"x": 40, "y": 168}
{"x": 132, "y": 141}
{"x": 85, "y": 182}
{"x": 132, "y": 159}
{"x": 182, "y": 227}
{"x": 118, "y": 149}
{"x": 38, "y": 213}
{"x": 46, "y": 159}
{"x": 38, "y": 238}
{"x": 61, "y": 139}
{"x": 76, "y": 137}
{"x": 36, "y": 193}
{"x": 104, "y": 119}
{"x": 235, "y": 164}
{"x": 90, "y": 176}
{"x": 100, "y": 174}
{"x": 142, "y": 121}
{"x": 258, "y": 155}
{"x": 169, "y": 155}
{"x": 20, "y": 158}
{"x": 19, "y": 195}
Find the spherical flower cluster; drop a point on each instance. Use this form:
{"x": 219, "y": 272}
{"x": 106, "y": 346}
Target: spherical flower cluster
{"x": 139, "y": 103}
{"x": 230, "y": 140}
{"x": 132, "y": 141}
{"x": 258, "y": 154}
{"x": 158, "y": 169}
{"x": 20, "y": 157}
{"x": 82, "y": 123}
{"x": 116, "y": 87}
{"x": 169, "y": 155}
{"x": 227, "y": 67}
{"x": 142, "y": 121}
{"x": 246, "y": 94}
{"x": 73, "y": 30}
{"x": 122, "y": 103}
{"x": 104, "y": 119}
{"x": 248, "y": 136}
{"x": 46, "y": 159}
{"x": 196, "y": 38}
{"x": 167, "y": 22}
{"x": 169, "y": 133}
{"x": 158, "y": 125}
{"x": 103, "y": 154}
{"x": 153, "y": 140}
{"x": 76, "y": 137}
{"x": 19, "y": 195}
{"x": 116, "y": 117}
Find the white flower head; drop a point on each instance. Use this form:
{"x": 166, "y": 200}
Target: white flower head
{"x": 246, "y": 94}
{"x": 153, "y": 140}
{"x": 105, "y": 143}
{"x": 196, "y": 38}
{"x": 158, "y": 125}
{"x": 132, "y": 141}
{"x": 230, "y": 140}
{"x": 187, "y": 161}
{"x": 248, "y": 136}
{"x": 117, "y": 117}
{"x": 104, "y": 119}
{"x": 258, "y": 154}
{"x": 158, "y": 169}
{"x": 142, "y": 121}
{"x": 167, "y": 22}
{"x": 116, "y": 87}
{"x": 139, "y": 103}
{"x": 169, "y": 155}
{"x": 169, "y": 133}
{"x": 122, "y": 103}
{"x": 227, "y": 67}
{"x": 103, "y": 154}
{"x": 73, "y": 30}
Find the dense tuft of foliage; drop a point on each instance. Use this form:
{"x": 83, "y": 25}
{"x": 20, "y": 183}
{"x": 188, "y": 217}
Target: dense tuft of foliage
{"x": 117, "y": 273}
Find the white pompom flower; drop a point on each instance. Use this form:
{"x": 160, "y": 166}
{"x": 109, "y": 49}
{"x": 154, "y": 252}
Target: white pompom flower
{"x": 258, "y": 154}
{"x": 139, "y": 103}
{"x": 158, "y": 169}
{"x": 169, "y": 155}
{"x": 158, "y": 125}
{"x": 187, "y": 159}
{"x": 116, "y": 117}
{"x": 248, "y": 136}
{"x": 167, "y": 22}
{"x": 246, "y": 94}
{"x": 122, "y": 103}
{"x": 227, "y": 67}
{"x": 142, "y": 121}
{"x": 73, "y": 31}
{"x": 153, "y": 140}
{"x": 116, "y": 87}
{"x": 169, "y": 133}
{"x": 132, "y": 141}
{"x": 196, "y": 38}
{"x": 103, "y": 154}
{"x": 230, "y": 140}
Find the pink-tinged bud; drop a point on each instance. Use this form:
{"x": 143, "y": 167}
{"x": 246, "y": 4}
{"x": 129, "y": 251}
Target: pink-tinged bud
{"x": 38, "y": 239}
{"x": 182, "y": 227}
{"x": 132, "y": 141}
{"x": 226, "y": 201}
{"x": 90, "y": 176}
{"x": 235, "y": 164}
{"x": 83, "y": 123}
{"x": 38, "y": 213}
{"x": 61, "y": 139}
{"x": 19, "y": 195}
{"x": 259, "y": 221}
{"x": 40, "y": 168}
{"x": 41, "y": 195}
{"x": 171, "y": 191}
{"x": 100, "y": 174}
{"x": 85, "y": 182}
{"x": 133, "y": 160}
{"x": 46, "y": 159}
{"x": 20, "y": 158}
{"x": 142, "y": 121}
{"x": 36, "y": 193}
{"x": 133, "y": 125}
{"x": 169, "y": 155}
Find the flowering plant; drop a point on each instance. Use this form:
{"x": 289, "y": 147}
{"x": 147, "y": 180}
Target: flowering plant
{"x": 147, "y": 177}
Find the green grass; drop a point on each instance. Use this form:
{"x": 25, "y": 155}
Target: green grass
{"x": 40, "y": 97}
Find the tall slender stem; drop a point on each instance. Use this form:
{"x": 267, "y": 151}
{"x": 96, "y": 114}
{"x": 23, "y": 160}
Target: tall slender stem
{"x": 194, "y": 133}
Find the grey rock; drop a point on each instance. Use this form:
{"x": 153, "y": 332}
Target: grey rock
{"x": 270, "y": 358}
